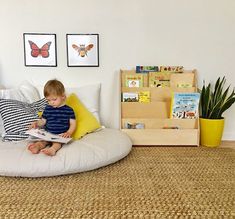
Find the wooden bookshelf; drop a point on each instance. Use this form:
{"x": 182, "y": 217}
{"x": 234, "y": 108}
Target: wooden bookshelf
{"x": 155, "y": 114}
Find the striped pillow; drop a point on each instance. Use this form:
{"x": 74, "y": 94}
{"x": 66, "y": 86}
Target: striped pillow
{"x": 17, "y": 116}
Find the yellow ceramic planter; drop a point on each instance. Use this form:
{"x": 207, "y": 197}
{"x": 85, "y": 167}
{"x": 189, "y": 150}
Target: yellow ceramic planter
{"x": 211, "y": 131}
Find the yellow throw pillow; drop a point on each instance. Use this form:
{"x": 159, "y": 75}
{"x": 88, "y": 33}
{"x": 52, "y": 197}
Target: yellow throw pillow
{"x": 86, "y": 121}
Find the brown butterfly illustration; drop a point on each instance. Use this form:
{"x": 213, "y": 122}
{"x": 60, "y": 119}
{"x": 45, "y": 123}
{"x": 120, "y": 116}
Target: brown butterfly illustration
{"x": 82, "y": 49}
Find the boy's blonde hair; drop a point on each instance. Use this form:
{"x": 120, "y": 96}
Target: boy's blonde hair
{"x": 54, "y": 87}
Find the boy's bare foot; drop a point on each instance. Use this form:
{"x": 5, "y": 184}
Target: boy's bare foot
{"x": 35, "y": 147}
{"x": 49, "y": 151}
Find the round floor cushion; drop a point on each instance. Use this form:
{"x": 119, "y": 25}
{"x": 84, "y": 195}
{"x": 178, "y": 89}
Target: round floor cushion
{"x": 91, "y": 152}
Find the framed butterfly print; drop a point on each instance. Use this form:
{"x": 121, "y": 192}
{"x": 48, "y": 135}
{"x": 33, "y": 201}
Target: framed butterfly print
{"x": 82, "y": 50}
{"x": 40, "y": 49}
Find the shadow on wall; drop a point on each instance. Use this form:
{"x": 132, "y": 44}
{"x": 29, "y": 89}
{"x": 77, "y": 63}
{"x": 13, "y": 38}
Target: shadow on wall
{"x": 1, "y": 80}
{"x": 113, "y": 96}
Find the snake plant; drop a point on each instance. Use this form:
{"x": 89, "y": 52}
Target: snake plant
{"x": 215, "y": 101}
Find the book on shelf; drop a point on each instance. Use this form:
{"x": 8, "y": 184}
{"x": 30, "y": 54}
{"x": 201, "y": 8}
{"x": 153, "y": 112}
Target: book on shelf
{"x": 130, "y": 97}
{"x": 41, "y": 134}
{"x": 146, "y": 69}
{"x": 134, "y": 80}
{"x": 170, "y": 127}
{"x": 136, "y": 125}
{"x": 184, "y": 85}
{"x": 159, "y": 79}
{"x": 184, "y": 105}
{"x": 144, "y": 96}
{"x": 173, "y": 69}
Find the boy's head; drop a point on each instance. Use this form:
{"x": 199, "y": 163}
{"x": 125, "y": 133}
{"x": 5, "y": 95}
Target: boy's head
{"x": 54, "y": 87}
{"x": 54, "y": 92}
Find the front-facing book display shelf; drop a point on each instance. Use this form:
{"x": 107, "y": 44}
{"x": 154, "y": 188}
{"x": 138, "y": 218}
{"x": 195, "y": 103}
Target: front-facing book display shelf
{"x": 157, "y": 127}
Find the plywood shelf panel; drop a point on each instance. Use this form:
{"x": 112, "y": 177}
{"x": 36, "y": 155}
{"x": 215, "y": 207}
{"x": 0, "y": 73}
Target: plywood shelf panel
{"x": 145, "y": 110}
{"x": 168, "y": 137}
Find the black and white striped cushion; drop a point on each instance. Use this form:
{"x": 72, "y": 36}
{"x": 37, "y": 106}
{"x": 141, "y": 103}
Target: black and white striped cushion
{"x": 17, "y": 116}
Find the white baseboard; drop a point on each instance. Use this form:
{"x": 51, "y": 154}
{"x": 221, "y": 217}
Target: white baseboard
{"x": 229, "y": 136}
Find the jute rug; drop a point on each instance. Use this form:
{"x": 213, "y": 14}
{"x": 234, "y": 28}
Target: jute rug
{"x": 151, "y": 182}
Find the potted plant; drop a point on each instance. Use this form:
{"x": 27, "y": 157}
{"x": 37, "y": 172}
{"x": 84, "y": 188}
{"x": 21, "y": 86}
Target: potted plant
{"x": 214, "y": 101}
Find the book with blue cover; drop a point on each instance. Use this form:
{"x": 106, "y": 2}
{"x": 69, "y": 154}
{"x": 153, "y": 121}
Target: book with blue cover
{"x": 146, "y": 69}
{"x": 184, "y": 105}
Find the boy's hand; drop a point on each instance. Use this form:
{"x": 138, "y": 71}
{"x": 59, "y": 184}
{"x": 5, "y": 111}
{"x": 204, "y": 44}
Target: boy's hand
{"x": 34, "y": 125}
{"x": 66, "y": 135}
{"x": 37, "y": 124}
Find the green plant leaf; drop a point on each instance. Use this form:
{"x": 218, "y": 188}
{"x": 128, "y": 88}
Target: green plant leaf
{"x": 214, "y": 102}
{"x": 226, "y": 106}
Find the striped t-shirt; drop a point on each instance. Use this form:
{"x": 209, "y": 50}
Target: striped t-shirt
{"x": 57, "y": 119}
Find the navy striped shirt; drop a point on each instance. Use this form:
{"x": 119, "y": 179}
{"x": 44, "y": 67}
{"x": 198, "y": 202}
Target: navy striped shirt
{"x": 57, "y": 119}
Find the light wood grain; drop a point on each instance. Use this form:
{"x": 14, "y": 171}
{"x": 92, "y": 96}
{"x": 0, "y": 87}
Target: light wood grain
{"x": 168, "y": 137}
{"x": 145, "y": 110}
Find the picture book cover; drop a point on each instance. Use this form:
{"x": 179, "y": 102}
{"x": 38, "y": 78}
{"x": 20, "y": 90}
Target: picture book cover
{"x": 130, "y": 97}
{"x": 134, "y": 80}
{"x": 175, "y": 69}
{"x": 144, "y": 96}
{"x": 159, "y": 79}
{"x": 146, "y": 69}
{"x": 40, "y": 134}
{"x": 185, "y": 105}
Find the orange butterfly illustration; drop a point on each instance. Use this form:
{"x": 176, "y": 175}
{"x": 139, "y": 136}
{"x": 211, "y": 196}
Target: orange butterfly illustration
{"x": 43, "y": 51}
{"x": 82, "y": 49}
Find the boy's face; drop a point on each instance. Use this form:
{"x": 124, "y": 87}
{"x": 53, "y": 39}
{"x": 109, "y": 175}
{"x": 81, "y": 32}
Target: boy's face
{"x": 55, "y": 101}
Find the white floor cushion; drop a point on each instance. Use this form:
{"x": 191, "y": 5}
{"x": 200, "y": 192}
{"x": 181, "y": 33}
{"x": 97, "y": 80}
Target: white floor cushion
{"x": 91, "y": 152}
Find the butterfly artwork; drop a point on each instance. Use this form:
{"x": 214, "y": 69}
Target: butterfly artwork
{"x": 82, "y": 49}
{"x": 37, "y": 52}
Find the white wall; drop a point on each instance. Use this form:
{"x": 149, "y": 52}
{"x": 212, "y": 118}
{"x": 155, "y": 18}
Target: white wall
{"x": 196, "y": 34}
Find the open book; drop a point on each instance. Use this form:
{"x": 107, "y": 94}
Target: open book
{"x": 40, "y": 134}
